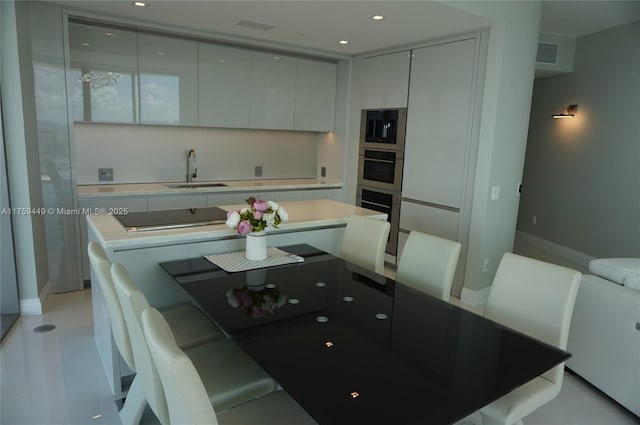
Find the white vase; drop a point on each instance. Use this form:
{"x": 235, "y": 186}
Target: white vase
{"x": 256, "y": 249}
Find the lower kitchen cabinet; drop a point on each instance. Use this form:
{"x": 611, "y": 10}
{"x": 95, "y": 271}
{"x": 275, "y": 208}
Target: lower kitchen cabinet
{"x": 218, "y": 199}
{"x": 429, "y": 219}
{"x": 173, "y": 202}
{"x": 282, "y": 196}
{"x": 335, "y": 194}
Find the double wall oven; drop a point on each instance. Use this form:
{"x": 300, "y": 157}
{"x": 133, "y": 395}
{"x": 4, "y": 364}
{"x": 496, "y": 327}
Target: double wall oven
{"x": 380, "y": 165}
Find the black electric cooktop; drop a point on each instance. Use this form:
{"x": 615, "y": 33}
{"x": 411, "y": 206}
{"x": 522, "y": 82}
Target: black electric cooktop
{"x": 171, "y": 219}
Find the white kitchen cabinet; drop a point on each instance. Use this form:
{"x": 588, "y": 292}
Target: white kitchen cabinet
{"x": 282, "y": 195}
{"x": 172, "y": 202}
{"x": 439, "y": 116}
{"x": 429, "y": 219}
{"x": 315, "y": 99}
{"x": 311, "y": 194}
{"x": 107, "y": 61}
{"x": 235, "y": 198}
{"x": 385, "y": 80}
{"x": 168, "y": 70}
{"x": 131, "y": 203}
{"x": 273, "y": 85}
{"x": 224, "y": 86}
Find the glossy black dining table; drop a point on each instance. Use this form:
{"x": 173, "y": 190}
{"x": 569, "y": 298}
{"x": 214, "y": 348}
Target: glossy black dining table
{"x": 352, "y": 347}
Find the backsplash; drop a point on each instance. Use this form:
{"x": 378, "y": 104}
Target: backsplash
{"x": 147, "y": 154}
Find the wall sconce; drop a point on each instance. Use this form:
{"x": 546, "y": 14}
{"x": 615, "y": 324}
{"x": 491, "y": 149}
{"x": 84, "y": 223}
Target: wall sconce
{"x": 568, "y": 112}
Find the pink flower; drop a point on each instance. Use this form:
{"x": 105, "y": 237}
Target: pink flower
{"x": 256, "y": 311}
{"x": 244, "y": 227}
{"x": 257, "y": 215}
{"x": 243, "y": 299}
{"x": 260, "y": 205}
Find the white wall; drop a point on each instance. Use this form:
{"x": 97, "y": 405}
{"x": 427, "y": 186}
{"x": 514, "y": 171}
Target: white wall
{"x": 145, "y": 153}
{"x": 511, "y": 54}
{"x": 581, "y": 174}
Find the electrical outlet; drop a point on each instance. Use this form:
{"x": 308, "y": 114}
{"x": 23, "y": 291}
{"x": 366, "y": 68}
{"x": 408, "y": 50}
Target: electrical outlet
{"x": 323, "y": 171}
{"x": 105, "y": 174}
{"x": 485, "y": 265}
{"x": 258, "y": 171}
{"x": 534, "y": 219}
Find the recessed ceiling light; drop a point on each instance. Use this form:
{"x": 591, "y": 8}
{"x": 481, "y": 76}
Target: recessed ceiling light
{"x": 139, "y": 3}
{"x": 85, "y": 44}
{"x": 343, "y": 42}
{"x": 160, "y": 53}
{"x": 108, "y": 34}
{"x": 377, "y": 17}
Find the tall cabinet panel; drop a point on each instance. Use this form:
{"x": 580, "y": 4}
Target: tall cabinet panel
{"x": 168, "y": 69}
{"x": 438, "y": 123}
{"x": 315, "y": 95}
{"x": 385, "y": 79}
{"x": 273, "y": 85}
{"x": 224, "y": 86}
{"x": 104, "y": 69}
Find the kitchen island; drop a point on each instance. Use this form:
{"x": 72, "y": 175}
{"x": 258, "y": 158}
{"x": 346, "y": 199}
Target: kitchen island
{"x": 316, "y": 222}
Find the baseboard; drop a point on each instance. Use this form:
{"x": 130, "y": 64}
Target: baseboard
{"x": 35, "y": 306}
{"x": 542, "y": 249}
{"x": 473, "y": 297}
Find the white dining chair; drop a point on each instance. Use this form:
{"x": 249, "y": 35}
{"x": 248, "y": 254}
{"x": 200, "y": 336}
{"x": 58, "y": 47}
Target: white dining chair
{"x": 135, "y": 402}
{"x": 428, "y": 263}
{"x": 186, "y": 394}
{"x": 228, "y": 374}
{"x": 537, "y": 299}
{"x": 190, "y": 325}
{"x": 364, "y": 242}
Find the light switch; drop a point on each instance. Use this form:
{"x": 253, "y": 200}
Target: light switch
{"x": 495, "y": 193}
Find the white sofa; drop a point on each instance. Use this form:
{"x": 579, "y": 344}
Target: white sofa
{"x": 605, "y": 338}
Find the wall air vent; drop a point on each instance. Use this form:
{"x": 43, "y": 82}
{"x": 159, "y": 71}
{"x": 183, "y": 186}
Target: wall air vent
{"x": 547, "y": 53}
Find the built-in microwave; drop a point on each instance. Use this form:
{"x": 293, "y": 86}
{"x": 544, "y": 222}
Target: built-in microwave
{"x": 380, "y": 168}
{"x": 383, "y": 128}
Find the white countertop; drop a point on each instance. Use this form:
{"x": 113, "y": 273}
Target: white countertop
{"x": 302, "y": 215}
{"x": 141, "y": 189}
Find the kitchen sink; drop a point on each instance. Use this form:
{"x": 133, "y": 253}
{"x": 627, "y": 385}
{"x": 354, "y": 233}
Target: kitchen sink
{"x": 193, "y": 185}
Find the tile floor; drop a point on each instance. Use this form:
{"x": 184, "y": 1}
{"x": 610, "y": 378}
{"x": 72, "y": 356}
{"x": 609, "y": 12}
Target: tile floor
{"x": 57, "y": 378}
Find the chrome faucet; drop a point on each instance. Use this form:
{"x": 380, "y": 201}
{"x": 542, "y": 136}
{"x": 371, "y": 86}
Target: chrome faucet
{"x": 192, "y": 172}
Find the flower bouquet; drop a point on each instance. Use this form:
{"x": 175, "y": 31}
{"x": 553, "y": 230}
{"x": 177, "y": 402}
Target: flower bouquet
{"x": 259, "y": 216}
{"x": 256, "y": 303}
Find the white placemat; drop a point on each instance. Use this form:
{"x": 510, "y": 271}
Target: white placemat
{"x": 237, "y": 262}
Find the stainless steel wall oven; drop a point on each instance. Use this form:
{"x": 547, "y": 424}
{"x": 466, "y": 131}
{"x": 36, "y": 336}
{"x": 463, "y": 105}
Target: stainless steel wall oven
{"x": 380, "y": 166}
{"x": 384, "y": 201}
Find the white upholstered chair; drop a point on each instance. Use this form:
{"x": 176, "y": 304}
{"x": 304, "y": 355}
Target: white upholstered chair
{"x": 228, "y": 374}
{"x": 190, "y": 325}
{"x": 537, "y": 299}
{"x": 428, "y": 264}
{"x": 135, "y": 403}
{"x": 364, "y": 242}
{"x": 186, "y": 395}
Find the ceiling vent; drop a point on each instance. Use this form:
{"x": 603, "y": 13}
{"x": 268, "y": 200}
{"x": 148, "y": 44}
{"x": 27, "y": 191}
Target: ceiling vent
{"x": 255, "y": 25}
{"x": 547, "y": 53}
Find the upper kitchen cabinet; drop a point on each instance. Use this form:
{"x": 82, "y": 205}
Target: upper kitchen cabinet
{"x": 439, "y": 119}
{"x": 315, "y": 95}
{"x": 385, "y": 79}
{"x": 273, "y": 86}
{"x": 168, "y": 69}
{"x": 103, "y": 74}
{"x": 224, "y": 86}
